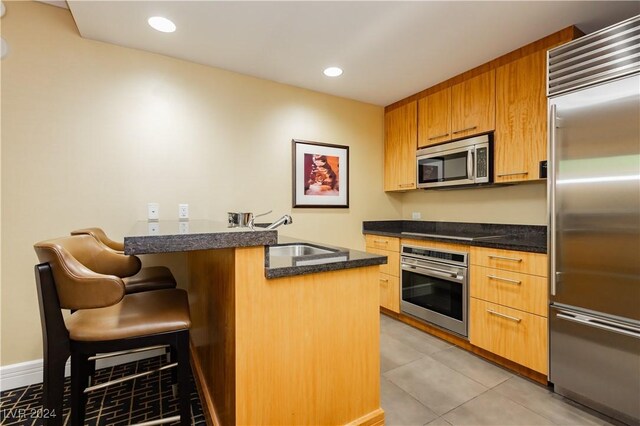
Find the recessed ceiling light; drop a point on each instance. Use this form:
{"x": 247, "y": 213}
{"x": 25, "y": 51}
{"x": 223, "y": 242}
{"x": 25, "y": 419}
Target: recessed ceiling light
{"x": 333, "y": 72}
{"x": 161, "y": 24}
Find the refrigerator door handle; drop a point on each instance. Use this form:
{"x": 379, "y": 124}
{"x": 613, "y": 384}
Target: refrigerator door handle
{"x": 551, "y": 181}
{"x": 627, "y": 330}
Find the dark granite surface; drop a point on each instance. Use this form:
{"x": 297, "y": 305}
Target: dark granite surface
{"x": 175, "y": 236}
{"x": 532, "y": 238}
{"x": 340, "y": 258}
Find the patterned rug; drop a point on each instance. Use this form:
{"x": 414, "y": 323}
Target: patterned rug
{"x": 135, "y": 401}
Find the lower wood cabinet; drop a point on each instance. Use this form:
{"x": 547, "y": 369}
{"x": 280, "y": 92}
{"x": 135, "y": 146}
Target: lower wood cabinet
{"x": 519, "y": 291}
{"x": 392, "y": 267}
{"x": 508, "y": 305}
{"x": 390, "y": 292}
{"x": 389, "y": 273}
{"x": 510, "y": 333}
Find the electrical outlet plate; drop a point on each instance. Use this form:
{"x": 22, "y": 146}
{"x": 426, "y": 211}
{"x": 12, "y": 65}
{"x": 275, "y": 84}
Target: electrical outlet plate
{"x": 154, "y": 228}
{"x": 153, "y": 211}
{"x": 416, "y": 215}
{"x": 183, "y": 211}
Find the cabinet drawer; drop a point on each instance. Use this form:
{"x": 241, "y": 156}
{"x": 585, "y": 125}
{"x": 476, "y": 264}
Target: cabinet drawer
{"x": 381, "y": 242}
{"x": 393, "y": 261}
{"x": 520, "y": 291}
{"x": 510, "y": 260}
{"x": 390, "y": 292}
{"x": 512, "y": 334}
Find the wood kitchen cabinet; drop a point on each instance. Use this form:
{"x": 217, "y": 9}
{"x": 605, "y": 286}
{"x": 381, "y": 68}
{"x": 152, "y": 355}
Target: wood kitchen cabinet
{"x": 389, "y": 280}
{"x": 434, "y": 118}
{"x": 465, "y": 109}
{"x": 513, "y": 334}
{"x": 400, "y": 142}
{"x": 473, "y": 105}
{"x": 508, "y": 305}
{"x": 520, "y": 141}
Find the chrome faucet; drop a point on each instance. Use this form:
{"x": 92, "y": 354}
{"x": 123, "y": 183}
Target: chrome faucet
{"x": 284, "y": 220}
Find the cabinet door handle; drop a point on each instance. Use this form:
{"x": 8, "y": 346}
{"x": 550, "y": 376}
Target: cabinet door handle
{"x": 511, "y": 259}
{"x": 464, "y": 130}
{"x": 438, "y": 137}
{"x": 509, "y": 317}
{"x": 405, "y": 185}
{"x": 384, "y": 280}
{"x": 512, "y": 174}
{"x": 515, "y": 282}
{"x": 381, "y": 241}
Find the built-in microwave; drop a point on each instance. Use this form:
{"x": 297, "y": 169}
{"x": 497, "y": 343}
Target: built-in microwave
{"x": 463, "y": 162}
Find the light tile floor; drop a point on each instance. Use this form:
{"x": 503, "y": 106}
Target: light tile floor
{"x": 427, "y": 381}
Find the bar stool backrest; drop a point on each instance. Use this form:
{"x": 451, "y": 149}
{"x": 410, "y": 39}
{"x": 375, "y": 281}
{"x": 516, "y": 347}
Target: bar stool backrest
{"x": 86, "y": 274}
{"x": 101, "y": 236}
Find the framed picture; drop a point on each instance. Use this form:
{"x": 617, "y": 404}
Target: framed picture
{"x": 320, "y": 175}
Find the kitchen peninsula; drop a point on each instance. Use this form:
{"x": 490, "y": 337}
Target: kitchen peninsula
{"x": 280, "y": 339}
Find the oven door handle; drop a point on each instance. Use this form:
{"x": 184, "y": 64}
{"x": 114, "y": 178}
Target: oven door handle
{"x": 425, "y": 270}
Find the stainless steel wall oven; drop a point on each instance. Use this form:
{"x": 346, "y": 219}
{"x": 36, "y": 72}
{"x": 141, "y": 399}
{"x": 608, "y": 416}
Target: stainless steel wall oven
{"x": 435, "y": 286}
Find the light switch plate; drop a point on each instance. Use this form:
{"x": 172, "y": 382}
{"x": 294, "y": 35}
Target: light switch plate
{"x": 183, "y": 211}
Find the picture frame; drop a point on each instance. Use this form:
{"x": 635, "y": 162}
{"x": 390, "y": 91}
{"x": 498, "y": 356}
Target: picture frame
{"x": 320, "y": 175}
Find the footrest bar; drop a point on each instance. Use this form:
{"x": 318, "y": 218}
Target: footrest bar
{"x": 159, "y": 421}
{"x": 127, "y": 378}
{"x": 132, "y": 351}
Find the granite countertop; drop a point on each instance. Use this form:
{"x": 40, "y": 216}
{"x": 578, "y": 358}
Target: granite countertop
{"x": 340, "y": 258}
{"x": 177, "y": 236}
{"x": 167, "y": 236}
{"x": 531, "y": 238}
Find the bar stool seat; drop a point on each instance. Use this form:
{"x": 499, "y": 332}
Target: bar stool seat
{"x": 136, "y": 315}
{"x": 149, "y": 278}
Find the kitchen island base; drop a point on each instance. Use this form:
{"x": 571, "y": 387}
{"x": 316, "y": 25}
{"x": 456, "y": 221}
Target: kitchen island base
{"x": 297, "y": 350}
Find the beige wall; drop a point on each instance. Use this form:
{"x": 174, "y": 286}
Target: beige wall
{"x": 92, "y": 132}
{"x": 518, "y": 204}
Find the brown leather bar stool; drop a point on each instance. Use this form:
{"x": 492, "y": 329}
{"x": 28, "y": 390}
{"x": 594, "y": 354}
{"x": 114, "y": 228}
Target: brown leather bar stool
{"x": 72, "y": 276}
{"x": 145, "y": 279}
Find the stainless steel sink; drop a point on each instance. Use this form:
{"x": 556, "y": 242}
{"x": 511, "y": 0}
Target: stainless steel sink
{"x": 298, "y": 249}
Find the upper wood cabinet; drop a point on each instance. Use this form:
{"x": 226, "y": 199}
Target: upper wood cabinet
{"x": 434, "y": 118}
{"x": 521, "y": 119}
{"x": 473, "y": 105}
{"x": 400, "y": 142}
{"x": 465, "y": 109}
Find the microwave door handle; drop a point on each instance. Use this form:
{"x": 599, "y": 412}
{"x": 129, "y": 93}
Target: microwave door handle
{"x": 470, "y": 158}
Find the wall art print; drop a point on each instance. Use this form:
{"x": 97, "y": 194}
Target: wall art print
{"x": 320, "y": 175}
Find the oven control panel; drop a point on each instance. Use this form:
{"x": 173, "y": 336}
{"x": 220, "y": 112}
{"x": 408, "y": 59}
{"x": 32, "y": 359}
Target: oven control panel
{"x": 438, "y": 255}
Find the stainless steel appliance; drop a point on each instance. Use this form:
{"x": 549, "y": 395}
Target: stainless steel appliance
{"x": 594, "y": 228}
{"x": 464, "y": 162}
{"x": 434, "y": 286}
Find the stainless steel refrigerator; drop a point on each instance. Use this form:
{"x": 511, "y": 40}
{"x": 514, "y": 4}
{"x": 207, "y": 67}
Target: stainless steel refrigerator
{"x": 594, "y": 227}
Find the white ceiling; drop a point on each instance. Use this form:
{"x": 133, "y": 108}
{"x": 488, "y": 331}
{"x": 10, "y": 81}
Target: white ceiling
{"x": 388, "y": 49}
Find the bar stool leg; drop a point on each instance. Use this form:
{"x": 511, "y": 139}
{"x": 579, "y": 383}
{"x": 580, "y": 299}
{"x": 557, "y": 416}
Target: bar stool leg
{"x": 79, "y": 380}
{"x": 184, "y": 391}
{"x": 53, "y": 384}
